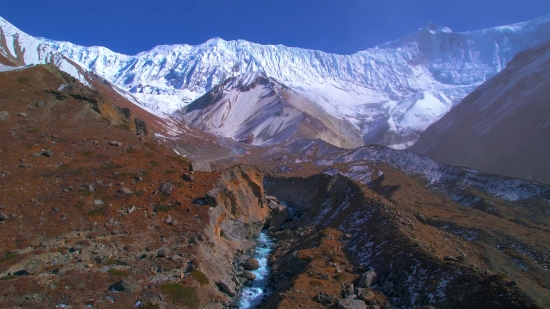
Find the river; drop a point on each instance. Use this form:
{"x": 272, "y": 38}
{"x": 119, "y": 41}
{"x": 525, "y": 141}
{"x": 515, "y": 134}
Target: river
{"x": 253, "y": 295}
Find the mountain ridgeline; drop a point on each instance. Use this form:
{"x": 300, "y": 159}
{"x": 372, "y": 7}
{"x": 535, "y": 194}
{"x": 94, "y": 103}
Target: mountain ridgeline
{"x": 390, "y": 93}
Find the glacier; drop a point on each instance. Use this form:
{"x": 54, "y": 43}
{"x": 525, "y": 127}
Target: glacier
{"x": 391, "y": 92}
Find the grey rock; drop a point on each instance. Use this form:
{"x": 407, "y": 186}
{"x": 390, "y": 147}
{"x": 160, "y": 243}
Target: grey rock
{"x": 98, "y": 202}
{"x": 125, "y": 190}
{"x": 47, "y": 153}
{"x": 248, "y": 275}
{"x": 4, "y": 115}
{"x": 281, "y": 217}
{"x": 115, "y": 143}
{"x": 168, "y": 220}
{"x": 25, "y": 165}
{"x": 368, "y": 279}
{"x": 166, "y": 188}
{"x": 91, "y": 188}
{"x": 127, "y": 285}
{"x": 351, "y": 304}
{"x": 40, "y": 104}
{"x": 132, "y": 209}
{"x": 200, "y": 166}
{"x": 36, "y": 154}
{"x": 3, "y": 217}
{"x": 251, "y": 264}
{"x": 227, "y": 286}
{"x": 34, "y": 266}
{"x": 270, "y": 198}
{"x": 22, "y": 114}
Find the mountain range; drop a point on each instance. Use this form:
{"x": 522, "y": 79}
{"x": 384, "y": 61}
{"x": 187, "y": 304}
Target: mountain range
{"x": 388, "y": 94}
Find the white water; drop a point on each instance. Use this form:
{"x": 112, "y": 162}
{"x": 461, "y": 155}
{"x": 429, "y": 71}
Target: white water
{"x": 252, "y": 296}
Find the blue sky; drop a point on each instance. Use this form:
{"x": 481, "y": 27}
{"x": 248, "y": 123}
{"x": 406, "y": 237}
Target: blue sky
{"x": 343, "y": 26}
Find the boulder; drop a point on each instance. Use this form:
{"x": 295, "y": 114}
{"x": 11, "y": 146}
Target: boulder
{"x": 168, "y": 220}
{"x": 270, "y": 198}
{"x": 125, "y": 190}
{"x": 4, "y": 115}
{"x": 251, "y": 264}
{"x": 368, "y": 279}
{"x": 282, "y": 217}
{"x": 115, "y": 143}
{"x": 227, "y": 286}
{"x": 47, "y": 153}
{"x": 22, "y": 114}
{"x": 349, "y": 303}
{"x": 200, "y": 166}
{"x": 248, "y": 275}
{"x": 166, "y": 188}
{"x": 34, "y": 266}
{"x": 126, "y": 285}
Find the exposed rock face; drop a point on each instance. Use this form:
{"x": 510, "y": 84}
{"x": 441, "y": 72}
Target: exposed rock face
{"x": 238, "y": 211}
{"x": 200, "y": 166}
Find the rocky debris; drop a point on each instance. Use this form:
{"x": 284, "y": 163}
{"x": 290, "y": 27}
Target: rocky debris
{"x": 271, "y": 198}
{"x": 36, "y": 154}
{"x": 22, "y": 114}
{"x": 68, "y": 189}
{"x": 98, "y": 202}
{"x": 166, "y": 188}
{"x": 47, "y": 153}
{"x": 127, "y": 285}
{"x": 350, "y": 303}
{"x": 188, "y": 177}
{"x": 248, "y": 275}
{"x": 251, "y": 264}
{"x": 125, "y": 190}
{"x": 132, "y": 209}
{"x": 323, "y": 298}
{"x": 4, "y": 115}
{"x": 40, "y": 104}
{"x": 200, "y": 166}
{"x": 25, "y": 165}
{"x": 115, "y": 143}
{"x": 368, "y": 279}
{"x": 211, "y": 197}
{"x": 3, "y": 217}
{"x": 227, "y": 286}
{"x": 34, "y": 266}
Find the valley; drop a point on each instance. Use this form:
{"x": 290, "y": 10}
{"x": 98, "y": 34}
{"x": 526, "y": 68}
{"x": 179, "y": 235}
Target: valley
{"x": 237, "y": 175}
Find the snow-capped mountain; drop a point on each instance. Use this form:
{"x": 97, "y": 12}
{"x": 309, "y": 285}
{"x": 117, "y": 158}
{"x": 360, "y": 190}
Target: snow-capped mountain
{"x": 259, "y": 110}
{"x": 503, "y": 126}
{"x": 391, "y": 92}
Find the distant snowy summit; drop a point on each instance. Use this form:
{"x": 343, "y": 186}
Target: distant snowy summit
{"x": 390, "y": 93}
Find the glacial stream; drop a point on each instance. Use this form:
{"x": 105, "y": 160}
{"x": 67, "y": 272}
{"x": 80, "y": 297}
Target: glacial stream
{"x": 253, "y": 295}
